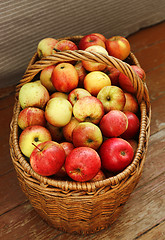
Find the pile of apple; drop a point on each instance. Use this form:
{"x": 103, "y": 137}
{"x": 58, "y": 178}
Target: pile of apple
{"x": 80, "y": 119}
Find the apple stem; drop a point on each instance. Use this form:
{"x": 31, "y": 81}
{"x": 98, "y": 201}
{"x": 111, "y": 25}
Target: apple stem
{"x": 36, "y": 147}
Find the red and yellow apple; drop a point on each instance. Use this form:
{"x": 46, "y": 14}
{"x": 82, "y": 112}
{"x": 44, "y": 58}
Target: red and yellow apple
{"x": 65, "y": 44}
{"x": 81, "y": 73}
{"x": 88, "y": 109}
{"x": 95, "y": 81}
{"x": 45, "y": 78}
{"x": 76, "y": 94}
{"x": 68, "y": 129}
{"x": 33, "y": 135}
{"x": 90, "y": 40}
{"x": 65, "y": 77}
{"x": 112, "y": 98}
{"x": 47, "y": 158}
{"x": 56, "y": 132}
{"x": 118, "y": 46}
{"x": 46, "y": 47}
{"x": 95, "y": 66}
{"x": 113, "y": 74}
{"x": 87, "y": 134}
{"x": 126, "y": 84}
{"x": 131, "y": 103}
{"x": 59, "y": 94}
{"x": 31, "y": 116}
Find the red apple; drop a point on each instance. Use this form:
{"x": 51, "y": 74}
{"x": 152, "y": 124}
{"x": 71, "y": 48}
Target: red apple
{"x": 33, "y": 135}
{"x": 95, "y": 81}
{"x": 46, "y": 47}
{"x": 82, "y": 164}
{"x": 95, "y": 66}
{"x": 131, "y": 103}
{"x": 126, "y": 84}
{"x": 118, "y": 46}
{"x": 88, "y": 109}
{"x": 99, "y": 176}
{"x": 113, "y": 74}
{"x": 114, "y": 123}
{"x": 76, "y": 94}
{"x": 56, "y": 132}
{"x": 90, "y": 40}
{"x": 133, "y": 143}
{"x": 45, "y": 78}
{"x": 101, "y": 36}
{"x": 112, "y": 98}
{"x": 65, "y": 77}
{"x": 87, "y": 134}
{"x": 31, "y": 116}
{"x": 133, "y": 126}
{"x": 47, "y": 158}
{"x": 68, "y": 147}
{"x": 68, "y": 129}
{"x": 65, "y": 44}
{"x": 141, "y": 73}
{"x": 81, "y": 73}
{"x": 33, "y": 94}
{"x": 58, "y": 111}
{"x": 116, "y": 154}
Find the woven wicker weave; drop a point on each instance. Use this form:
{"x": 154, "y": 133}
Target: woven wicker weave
{"x": 73, "y": 206}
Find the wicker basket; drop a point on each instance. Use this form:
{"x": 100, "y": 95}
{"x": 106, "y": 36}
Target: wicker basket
{"x": 73, "y": 206}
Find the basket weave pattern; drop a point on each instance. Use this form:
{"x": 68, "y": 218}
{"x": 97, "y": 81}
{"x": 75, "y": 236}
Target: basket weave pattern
{"x": 73, "y": 206}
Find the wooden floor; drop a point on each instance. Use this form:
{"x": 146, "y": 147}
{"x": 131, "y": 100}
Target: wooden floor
{"x": 143, "y": 217}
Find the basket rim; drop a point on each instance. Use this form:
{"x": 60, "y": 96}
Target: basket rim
{"x": 144, "y": 126}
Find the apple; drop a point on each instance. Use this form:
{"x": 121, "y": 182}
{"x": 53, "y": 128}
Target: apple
{"x": 58, "y": 111}
{"x": 112, "y": 98}
{"x": 87, "y": 134}
{"x": 95, "y": 66}
{"x": 76, "y": 94}
{"x": 33, "y": 94}
{"x": 99, "y": 176}
{"x": 131, "y": 103}
{"x": 56, "y": 132}
{"x": 47, "y": 158}
{"x": 95, "y": 81}
{"x": 114, "y": 123}
{"x": 31, "y": 116}
{"x": 68, "y": 129}
{"x": 59, "y": 94}
{"x": 45, "y": 78}
{"x": 68, "y": 147}
{"x": 65, "y": 77}
{"x": 65, "y": 44}
{"x": 113, "y": 74}
{"x": 126, "y": 84}
{"x": 118, "y": 46}
{"x": 116, "y": 154}
{"x": 33, "y": 135}
{"x": 90, "y": 40}
{"x": 133, "y": 126}
{"x": 82, "y": 164}
{"x": 140, "y": 71}
{"x": 133, "y": 143}
{"x": 46, "y": 47}
{"x": 81, "y": 73}
{"x": 101, "y": 36}
{"x": 88, "y": 109}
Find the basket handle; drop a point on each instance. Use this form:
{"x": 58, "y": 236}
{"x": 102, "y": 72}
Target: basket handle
{"x": 69, "y": 55}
